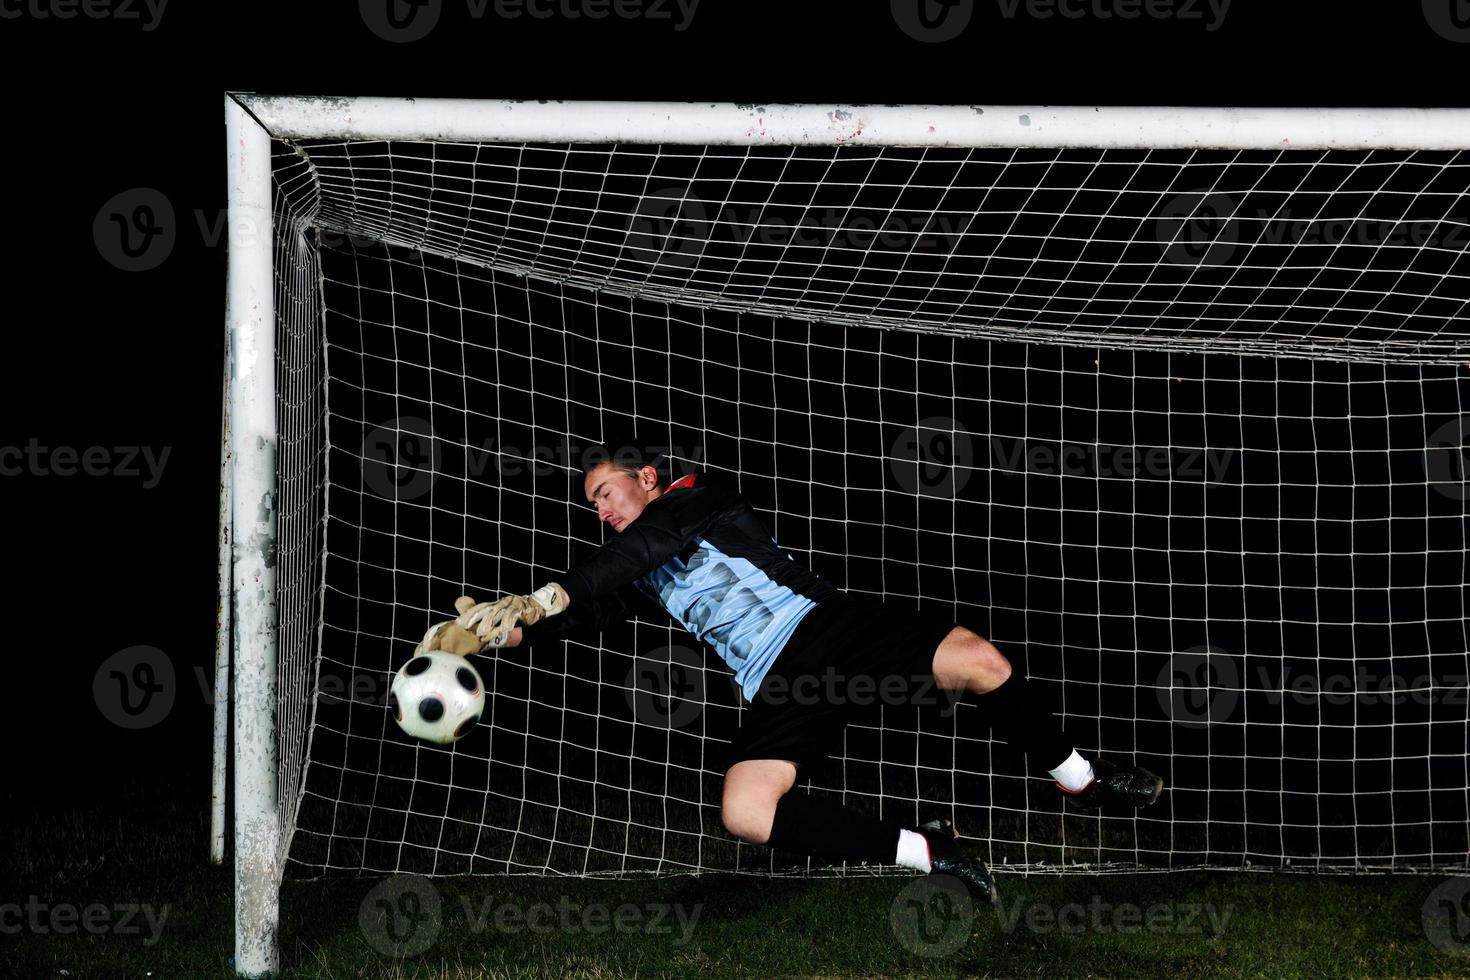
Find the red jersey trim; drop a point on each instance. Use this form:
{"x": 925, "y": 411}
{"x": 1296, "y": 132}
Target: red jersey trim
{"x": 682, "y": 482}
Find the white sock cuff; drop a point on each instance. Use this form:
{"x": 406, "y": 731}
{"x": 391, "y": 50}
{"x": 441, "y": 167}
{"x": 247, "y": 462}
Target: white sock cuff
{"x": 913, "y": 851}
{"x": 1074, "y": 774}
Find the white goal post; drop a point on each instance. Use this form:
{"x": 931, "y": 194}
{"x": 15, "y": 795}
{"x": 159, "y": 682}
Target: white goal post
{"x": 1143, "y": 241}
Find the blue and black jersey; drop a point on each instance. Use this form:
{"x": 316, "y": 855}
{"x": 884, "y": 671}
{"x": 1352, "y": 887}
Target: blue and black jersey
{"x": 699, "y": 551}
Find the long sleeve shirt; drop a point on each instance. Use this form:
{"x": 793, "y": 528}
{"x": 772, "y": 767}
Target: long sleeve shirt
{"x": 699, "y": 551}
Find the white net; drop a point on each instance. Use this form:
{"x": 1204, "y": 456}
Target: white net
{"x": 1183, "y": 432}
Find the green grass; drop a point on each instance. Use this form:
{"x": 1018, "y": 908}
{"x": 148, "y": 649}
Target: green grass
{"x": 140, "y": 852}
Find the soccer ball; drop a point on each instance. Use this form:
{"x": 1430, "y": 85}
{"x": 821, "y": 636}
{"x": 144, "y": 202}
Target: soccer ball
{"x": 437, "y": 697}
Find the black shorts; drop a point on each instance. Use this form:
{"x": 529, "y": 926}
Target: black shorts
{"x": 845, "y": 658}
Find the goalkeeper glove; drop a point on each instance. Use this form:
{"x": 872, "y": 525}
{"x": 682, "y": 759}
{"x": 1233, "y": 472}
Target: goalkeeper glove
{"x": 492, "y": 622}
{"x": 449, "y": 636}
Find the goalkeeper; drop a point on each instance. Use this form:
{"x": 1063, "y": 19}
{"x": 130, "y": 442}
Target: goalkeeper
{"x": 698, "y": 549}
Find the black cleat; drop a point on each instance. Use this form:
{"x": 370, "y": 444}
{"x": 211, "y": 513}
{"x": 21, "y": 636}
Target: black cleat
{"x": 946, "y": 857}
{"x": 1131, "y": 786}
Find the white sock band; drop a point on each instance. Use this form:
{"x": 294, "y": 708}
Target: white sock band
{"x": 913, "y": 851}
{"x": 1074, "y": 774}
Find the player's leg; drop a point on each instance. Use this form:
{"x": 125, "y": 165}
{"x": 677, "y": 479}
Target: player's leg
{"x": 757, "y": 807}
{"x": 967, "y": 662}
{"x": 753, "y": 788}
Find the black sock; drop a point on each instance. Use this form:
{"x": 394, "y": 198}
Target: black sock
{"x": 1023, "y": 718}
{"x": 825, "y": 828}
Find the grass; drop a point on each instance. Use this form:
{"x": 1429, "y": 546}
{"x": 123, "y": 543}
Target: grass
{"x": 139, "y": 852}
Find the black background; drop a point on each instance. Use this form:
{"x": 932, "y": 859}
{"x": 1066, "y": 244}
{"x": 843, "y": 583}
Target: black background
{"x": 97, "y": 356}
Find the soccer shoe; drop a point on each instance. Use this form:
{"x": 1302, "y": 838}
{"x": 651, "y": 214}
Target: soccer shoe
{"x": 1131, "y": 786}
{"x": 946, "y": 857}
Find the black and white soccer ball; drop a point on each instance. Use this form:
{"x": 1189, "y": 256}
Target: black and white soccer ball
{"x": 437, "y": 697}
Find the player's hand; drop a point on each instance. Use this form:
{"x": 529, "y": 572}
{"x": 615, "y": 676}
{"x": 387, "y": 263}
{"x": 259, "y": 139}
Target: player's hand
{"x": 493, "y": 622}
{"x": 449, "y": 636}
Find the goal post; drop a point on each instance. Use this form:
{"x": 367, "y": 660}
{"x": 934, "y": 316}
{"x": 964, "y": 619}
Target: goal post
{"x": 941, "y": 347}
{"x": 251, "y": 429}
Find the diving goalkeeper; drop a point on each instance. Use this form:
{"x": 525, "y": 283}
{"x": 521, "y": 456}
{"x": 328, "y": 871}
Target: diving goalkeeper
{"x": 696, "y": 548}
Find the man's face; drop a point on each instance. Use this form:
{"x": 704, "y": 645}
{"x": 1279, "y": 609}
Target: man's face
{"x": 618, "y": 496}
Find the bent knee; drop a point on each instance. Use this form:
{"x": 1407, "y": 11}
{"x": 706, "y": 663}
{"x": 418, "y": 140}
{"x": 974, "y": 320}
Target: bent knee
{"x": 996, "y": 663}
{"x": 749, "y": 820}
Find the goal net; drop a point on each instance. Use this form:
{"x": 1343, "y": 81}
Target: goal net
{"x": 1178, "y": 419}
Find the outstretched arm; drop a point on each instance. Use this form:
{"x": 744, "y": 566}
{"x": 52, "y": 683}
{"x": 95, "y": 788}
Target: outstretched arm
{"x": 592, "y": 616}
{"x": 665, "y": 527}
